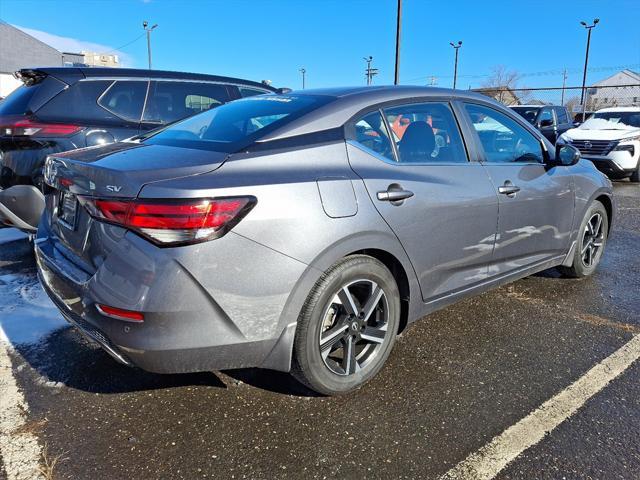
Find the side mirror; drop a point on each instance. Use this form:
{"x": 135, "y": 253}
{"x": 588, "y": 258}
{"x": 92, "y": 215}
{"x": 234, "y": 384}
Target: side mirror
{"x": 547, "y": 122}
{"x": 566, "y": 155}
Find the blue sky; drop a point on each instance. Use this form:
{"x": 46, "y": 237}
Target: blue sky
{"x": 272, "y": 39}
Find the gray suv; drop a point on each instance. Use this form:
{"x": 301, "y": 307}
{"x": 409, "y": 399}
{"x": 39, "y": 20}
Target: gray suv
{"x": 302, "y": 232}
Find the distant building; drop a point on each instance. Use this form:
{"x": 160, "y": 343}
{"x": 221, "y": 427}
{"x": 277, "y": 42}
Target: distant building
{"x": 619, "y": 90}
{"x": 504, "y": 94}
{"x": 20, "y": 50}
{"x": 100, "y": 59}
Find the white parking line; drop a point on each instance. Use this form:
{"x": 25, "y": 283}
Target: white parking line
{"x": 489, "y": 460}
{"x": 19, "y": 449}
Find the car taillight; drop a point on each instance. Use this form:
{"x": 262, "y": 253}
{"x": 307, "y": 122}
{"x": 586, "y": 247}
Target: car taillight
{"x": 27, "y": 128}
{"x": 173, "y": 222}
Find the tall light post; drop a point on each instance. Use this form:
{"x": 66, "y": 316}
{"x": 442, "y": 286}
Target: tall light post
{"x": 148, "y": 29}
{"x": 586, "y": 63}
{"x": 369, "y": 72}
{"x": 396, "y": 78}
{"x": 303, "y": 71}
{"x": 456, "y": 47}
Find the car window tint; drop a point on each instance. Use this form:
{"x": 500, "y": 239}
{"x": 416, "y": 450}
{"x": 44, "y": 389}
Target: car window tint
{"x": 529, "y": 113}
{"x": 371, "y": 133}
{"x": 171, "y": 101}
{"x": 426, "y": 133}
{"x": 545, "y": 114}
{"x": 125, "y": 99}
{"x": 502, "y": 138}
{"x": 250, "y": 92}
{"x": 79, "y": 103}
{"x": 561, "y": 113}
{"x": 17, "y": 103}
{"x": 230, "y": 126}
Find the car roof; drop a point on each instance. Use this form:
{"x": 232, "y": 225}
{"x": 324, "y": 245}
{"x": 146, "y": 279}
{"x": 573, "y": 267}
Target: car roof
{"x": 68, "y": 73}
{"x": 619, "y": 109}
{"x": 348, "y": 101}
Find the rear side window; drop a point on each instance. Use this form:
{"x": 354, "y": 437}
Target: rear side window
{"x": 79, "y": 103}
{"x": 426, "y": 133}
{"x": 17, "y": 103}
{"x": 125, "y": 99}
{"x": 370, "y": 132}
{"x": 233, "y": 125}
{"x": 171, "y": 101}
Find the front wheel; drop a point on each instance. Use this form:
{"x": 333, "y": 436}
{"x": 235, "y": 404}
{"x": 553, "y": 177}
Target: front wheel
{"x": 635, "y": 176}
{"x": 592, "y": 238}
{"x": 347, "y": 326}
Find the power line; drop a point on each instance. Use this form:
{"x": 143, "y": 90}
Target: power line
{"x": 125, "y": 45}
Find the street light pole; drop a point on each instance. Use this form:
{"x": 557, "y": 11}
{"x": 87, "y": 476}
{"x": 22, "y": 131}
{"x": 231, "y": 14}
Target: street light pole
{"x": 303, "y": 71}
{"x": 148, "y": 29}
{"x": 369, "y": 72}
{"x": 396, "y": 80}
{"x": 455, "y": 68}
{"x": 586, "y": 63}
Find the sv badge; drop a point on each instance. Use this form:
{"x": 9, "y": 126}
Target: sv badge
{"x": 113, "y": 188}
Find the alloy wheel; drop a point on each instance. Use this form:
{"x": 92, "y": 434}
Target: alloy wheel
{"x": 592, "y": 240}
{"x": 354, "y": 327}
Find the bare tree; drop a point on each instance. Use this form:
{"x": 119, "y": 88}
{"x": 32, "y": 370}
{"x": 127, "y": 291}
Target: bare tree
{"x": 501, "y": 85}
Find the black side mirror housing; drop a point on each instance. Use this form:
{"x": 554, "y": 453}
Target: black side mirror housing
{"x": 547, "y": 122}
{"x": 566, "y": 155}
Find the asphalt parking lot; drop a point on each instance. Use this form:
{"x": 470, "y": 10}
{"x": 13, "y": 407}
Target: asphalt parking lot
{"x": 455, "y": 380}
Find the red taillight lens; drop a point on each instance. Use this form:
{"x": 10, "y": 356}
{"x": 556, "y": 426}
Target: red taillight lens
{"x": 169, "y": 223}
{"x": 27, "y": 128}
{"x": 119, "y": 313}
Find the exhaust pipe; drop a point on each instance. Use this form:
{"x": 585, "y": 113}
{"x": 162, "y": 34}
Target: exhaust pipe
{"x": 21, "y": 207}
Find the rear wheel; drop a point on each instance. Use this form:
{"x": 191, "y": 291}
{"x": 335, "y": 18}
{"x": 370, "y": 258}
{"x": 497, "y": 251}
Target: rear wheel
{"x": 347, "y": 326}
{"x": 591, "y": 242}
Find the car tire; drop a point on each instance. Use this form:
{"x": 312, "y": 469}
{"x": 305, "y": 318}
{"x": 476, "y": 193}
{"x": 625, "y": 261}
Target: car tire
{"x": 591, "y": 242}
{"x": 330, "y": 326}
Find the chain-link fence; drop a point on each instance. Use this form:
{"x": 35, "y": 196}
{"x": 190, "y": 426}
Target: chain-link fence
{"x": 595, "y": 98}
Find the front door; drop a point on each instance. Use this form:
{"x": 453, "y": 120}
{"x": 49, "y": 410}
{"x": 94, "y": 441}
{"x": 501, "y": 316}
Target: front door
{"x": 442, "y": 207}
{"x": 535, "y": 202}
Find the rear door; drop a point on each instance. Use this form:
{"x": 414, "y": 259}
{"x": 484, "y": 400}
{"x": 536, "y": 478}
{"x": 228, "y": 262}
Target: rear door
{"x": 441, "y": 206}
{"x": 535, "y": 201}
{"x": 172, "y": 100}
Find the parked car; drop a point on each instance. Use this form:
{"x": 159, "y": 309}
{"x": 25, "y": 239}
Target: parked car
{"x": 62, "y": 108}
{"x": 298, "y": 232}
{"x": 611, "y": 140}
{"x": 551, "y": 120}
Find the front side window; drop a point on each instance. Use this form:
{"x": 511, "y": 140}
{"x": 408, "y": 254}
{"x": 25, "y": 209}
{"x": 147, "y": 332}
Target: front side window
{"x": 250, "y": 92}
{"x": 502, "y": 138}
{"x": 546, "y": 115}
{"x": 561, "y": 113}
{"x": 371, "y": 133}
{"x": 230, "y": 126}
{"x": 426, "y": 133}
{"x": 125, "y": 98}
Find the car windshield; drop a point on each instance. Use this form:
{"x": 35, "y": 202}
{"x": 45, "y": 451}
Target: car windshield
{"x": 234, "y": 125}
{"x": 528, "y": 113}
{"x": 621, "y": 119}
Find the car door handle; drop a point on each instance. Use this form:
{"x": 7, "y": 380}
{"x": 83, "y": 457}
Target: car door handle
{"x": 394, "y": 195}
{"x": 508, "y": 189}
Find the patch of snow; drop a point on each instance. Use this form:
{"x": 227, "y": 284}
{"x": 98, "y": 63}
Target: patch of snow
{"x": 11, "y": 235}
{"x": 27, "y": 316}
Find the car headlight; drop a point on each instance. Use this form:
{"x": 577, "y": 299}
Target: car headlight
{"x": 635, "y": 138}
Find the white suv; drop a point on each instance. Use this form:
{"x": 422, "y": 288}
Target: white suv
{"x": 611, "y": 140}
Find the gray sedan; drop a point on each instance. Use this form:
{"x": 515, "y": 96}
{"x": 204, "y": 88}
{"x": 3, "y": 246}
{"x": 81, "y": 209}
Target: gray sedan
{"x": 302, "y": 232}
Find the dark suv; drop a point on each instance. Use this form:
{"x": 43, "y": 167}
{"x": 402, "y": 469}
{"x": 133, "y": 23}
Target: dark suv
{"x": 552, "y": 121}
{"x": 62, "y": 108}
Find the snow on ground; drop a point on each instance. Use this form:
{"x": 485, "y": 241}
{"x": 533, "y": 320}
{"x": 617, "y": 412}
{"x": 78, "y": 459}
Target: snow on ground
{"x": 26, "y": 313}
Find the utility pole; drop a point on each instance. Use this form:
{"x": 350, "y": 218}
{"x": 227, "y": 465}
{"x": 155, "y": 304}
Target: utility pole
{"x": 456, "y": 47}
{"x": 303, "y": 71}
{"x": 369, "y": 72}
{"x": 586, "y": 63}
{"x": 564, "y": 82}
{"x": 396, "y": 79}
{"x": 433, "y": 81}
{"x": 148, "y": 29}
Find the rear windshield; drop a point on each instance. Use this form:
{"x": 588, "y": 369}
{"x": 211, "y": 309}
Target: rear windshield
{"x": 234, "y": 125}
{"x": 18, "y": 101}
